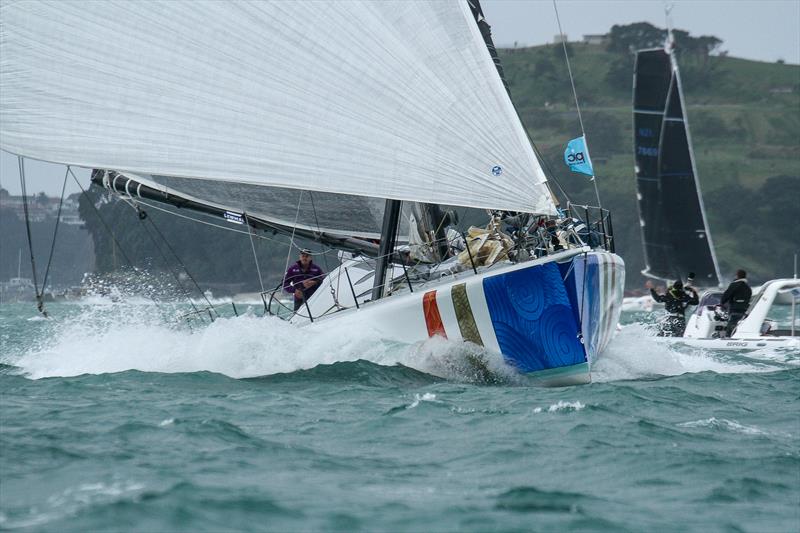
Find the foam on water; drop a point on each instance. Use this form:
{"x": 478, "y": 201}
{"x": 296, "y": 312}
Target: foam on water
{"x": 426, "y": 397}
{"x": 636, "y": 353}
{"x": 246, "y": 346}
{"x": 724, "y": 424}
{"x": 106, "y": 337}
{"x": 562, "y": 406}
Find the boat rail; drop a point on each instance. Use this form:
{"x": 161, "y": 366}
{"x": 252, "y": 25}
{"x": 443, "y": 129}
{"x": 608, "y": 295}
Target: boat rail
{"x": 585, "y": 225}
{"x": 598, "y": 221}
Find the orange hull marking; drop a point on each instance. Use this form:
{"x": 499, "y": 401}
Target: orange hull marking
{"x": 433, "y": 320}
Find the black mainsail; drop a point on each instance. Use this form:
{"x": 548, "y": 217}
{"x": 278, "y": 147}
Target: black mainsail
{"x": 675, "y": 232}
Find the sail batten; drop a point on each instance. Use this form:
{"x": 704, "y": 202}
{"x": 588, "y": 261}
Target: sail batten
{"x": 391, "y": 99}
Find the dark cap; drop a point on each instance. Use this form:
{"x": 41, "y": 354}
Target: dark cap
{"x": 305, "y": 251}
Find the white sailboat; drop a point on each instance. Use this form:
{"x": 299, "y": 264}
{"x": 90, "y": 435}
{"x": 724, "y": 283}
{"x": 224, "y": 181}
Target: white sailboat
{"x": 320, "y": 120}
{"x": 675, "y": 232}
{"x": 16, "y": 289}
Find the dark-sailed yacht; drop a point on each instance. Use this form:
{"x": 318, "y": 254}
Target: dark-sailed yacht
{"x": 675, "y": 233}
{"x": 673, "y": 220}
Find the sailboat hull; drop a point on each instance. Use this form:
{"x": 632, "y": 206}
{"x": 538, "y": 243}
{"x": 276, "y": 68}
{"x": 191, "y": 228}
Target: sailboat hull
{"x": 550, "y": 318}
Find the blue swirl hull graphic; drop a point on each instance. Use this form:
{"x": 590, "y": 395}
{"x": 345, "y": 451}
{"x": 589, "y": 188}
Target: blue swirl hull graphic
{"x": 558, "y": 314}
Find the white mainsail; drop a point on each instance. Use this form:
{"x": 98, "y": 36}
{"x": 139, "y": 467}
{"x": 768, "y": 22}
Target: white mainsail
{"x": 389, "y": 99}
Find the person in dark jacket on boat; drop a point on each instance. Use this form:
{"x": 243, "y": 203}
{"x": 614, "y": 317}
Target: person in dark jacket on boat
{"x": 302, "y": 278}
{"x": 737, "y": 300}
{"x": 675, "y": 301}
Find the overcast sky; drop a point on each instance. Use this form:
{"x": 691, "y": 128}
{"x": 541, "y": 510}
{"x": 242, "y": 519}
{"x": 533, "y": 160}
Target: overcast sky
{"x": 762, "y": 30}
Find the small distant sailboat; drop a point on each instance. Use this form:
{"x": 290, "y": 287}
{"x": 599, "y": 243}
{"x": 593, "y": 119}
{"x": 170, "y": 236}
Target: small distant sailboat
{"x": 17, "y": 289}
{"x": 675, "y": 233}
{"x": 325, "y": 121}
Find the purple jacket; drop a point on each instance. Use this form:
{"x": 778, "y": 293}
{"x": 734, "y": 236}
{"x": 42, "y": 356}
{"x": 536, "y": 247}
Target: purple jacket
{"x": 295, "y": 276}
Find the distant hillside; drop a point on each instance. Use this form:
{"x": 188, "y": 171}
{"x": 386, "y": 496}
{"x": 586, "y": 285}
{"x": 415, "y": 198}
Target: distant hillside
{"x": 73, "y": 254}
{"x": 744, "y": 119}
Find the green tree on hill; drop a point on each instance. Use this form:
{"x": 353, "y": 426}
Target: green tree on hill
{"x": 627, "y": 38}
{"x": 694, "y": 52}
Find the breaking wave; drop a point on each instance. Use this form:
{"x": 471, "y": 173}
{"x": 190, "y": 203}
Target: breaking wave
{"x": 107, "y": 336}
{"x": 635, "y": 353}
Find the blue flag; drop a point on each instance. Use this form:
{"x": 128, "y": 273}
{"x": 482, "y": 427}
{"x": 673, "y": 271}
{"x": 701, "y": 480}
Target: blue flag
{"x": 576, "y": 157}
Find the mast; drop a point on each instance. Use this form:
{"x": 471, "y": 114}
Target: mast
{"x": 486, "y": 33}
{"x": 391, "y": 216}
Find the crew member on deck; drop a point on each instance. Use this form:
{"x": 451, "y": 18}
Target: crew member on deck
{"x": 675, "y": 301}
{"x": 737, "y": 300}
{"x": 302, "y": 278}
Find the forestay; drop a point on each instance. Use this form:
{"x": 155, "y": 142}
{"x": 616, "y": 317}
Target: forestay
{"x": 390, "y": 99}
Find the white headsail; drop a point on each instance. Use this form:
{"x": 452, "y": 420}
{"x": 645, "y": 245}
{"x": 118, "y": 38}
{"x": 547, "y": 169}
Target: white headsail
{"x": 389, "y": 99}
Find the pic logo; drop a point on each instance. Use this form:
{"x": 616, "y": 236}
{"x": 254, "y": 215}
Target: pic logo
{"x": 576, "y": 159}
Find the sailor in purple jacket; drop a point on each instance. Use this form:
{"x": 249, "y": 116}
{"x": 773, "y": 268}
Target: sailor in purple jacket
{"x": 302, "y": 278}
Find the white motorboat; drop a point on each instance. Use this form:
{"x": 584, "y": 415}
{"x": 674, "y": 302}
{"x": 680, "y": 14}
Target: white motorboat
{"x": 761, "y": 328}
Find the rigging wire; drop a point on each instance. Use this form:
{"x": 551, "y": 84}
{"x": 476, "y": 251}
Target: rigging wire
{"x": 319, "y": 228}
{"x": 253, "y": 246}
{"x": 108, "y": 228}
{"x": 575, "y": 95}
{"x": 226, "y": 228}
{"x": 218, "y": 226}
{"x": 181, "y": 263}
{"x": 39, "y": 296}
{"x": 55, "y": 231}
{"x": 294, "y": 226}
{"x": 99, "y": 216}
{"x": 166, "y": 263}
{"x": 192, "y": 219}
{"x": 549, "y": 169}
{"x": 569, "y": 68}
{"x": 324, "y": 257}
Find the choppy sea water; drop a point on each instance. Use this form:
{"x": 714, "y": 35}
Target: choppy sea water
{"x": 116, "y": 417}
